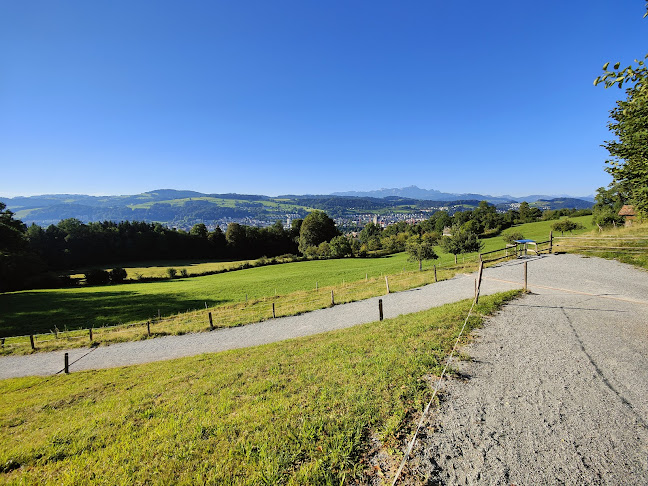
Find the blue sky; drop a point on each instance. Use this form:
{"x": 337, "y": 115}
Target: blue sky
{"x": 294, "y": 97}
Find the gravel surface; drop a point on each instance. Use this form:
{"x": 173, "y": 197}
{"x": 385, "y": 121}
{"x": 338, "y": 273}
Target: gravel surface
{"x": 556, "y": 390}
{"x": 170, "y": 347}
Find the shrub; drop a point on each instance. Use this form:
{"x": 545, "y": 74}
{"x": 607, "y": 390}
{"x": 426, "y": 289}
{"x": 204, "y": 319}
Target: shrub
{"x": 118, "y": 275}
{"x": 566, "y": 225}
{"x": 97, "y": 276}
{"x": 172, "y": 272}
{"x": 184, "y": 273}
{"x": 512, "y": 236}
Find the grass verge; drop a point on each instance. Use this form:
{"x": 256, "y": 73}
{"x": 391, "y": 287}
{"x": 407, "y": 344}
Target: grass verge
{"x": 294, "y": 412}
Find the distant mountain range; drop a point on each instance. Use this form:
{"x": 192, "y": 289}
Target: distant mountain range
{"x": 182, "y": 209}
{"x": 415, "y": 192}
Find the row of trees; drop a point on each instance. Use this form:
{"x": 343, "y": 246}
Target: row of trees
{"x": 27, "y": 253}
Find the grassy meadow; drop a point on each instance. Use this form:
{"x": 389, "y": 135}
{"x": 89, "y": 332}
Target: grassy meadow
{"x": 158, "y": 269}
{"x": 302, "y": 411}
{"x": 40, "y": 311}
{"x": 612, "y": 243}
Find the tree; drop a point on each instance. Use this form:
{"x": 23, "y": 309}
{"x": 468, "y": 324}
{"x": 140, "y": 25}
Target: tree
{"x": 512, "y": 236}
{"x": 316, "y": 228}
{"x": 17, "y": 260}
{"x": 97, "y": 277}
{"x": 566, "y": 225}
{"x": 199, "y": 230}
{"x": 629, "y": 163}
{"x": 461, "y": 242}
{"x": 117, "y": 275}
{"x": 421, "y": 248}
{"x": 340, "y": 247}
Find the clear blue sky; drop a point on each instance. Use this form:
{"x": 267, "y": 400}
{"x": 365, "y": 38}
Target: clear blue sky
{"x": 276, "y": 97}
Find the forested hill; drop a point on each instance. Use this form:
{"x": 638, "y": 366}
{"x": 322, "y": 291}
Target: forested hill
{"x": 184, "y": 208}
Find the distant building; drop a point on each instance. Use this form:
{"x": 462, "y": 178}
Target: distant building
{"x": 628, "y": 213}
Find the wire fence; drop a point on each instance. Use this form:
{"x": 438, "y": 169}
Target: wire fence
{"x": 602, "y": 244}
{"x": 235, "y": 314}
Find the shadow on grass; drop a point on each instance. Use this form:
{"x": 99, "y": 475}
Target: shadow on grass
{"x": 39, "y": 312}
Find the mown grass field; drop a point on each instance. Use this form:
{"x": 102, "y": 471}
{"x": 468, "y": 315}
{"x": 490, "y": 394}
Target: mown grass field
{"x": 158, "y": 269}
{"x": 85, "y": 307}
{"x": 299, "y": 412}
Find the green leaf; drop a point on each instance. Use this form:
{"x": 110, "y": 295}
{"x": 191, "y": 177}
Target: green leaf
{"x": 605, "y": 66}
{"x": 616, "y": 66}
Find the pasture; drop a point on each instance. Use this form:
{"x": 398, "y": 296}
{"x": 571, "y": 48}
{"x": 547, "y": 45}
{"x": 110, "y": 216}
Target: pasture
{"x": 85, "y": 307}
{"x": 303, "y": 411}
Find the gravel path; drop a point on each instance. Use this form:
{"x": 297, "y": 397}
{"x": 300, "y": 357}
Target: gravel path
{"x": 556, "y": 391}
{"x": 170, "y": 347}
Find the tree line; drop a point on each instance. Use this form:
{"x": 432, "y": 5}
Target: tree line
{"x": 34, "y": 257}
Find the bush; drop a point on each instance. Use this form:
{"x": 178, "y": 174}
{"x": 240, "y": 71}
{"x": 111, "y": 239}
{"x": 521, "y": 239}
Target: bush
{"x": 184, "y": 273}
{"x": 172, "y": 272}
{"x": 97, "y": 277}
{"x": 118, "y": 275}
{"x": 512, "y": 236}
{"x": 566, "y": 225}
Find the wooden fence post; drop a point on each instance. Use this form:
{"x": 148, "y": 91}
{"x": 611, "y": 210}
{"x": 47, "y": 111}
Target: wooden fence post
{"x": 387, "y": 283}
{"x": 332, "y": 298}
{"x": 90, "y": 334}
{"x": 316, "y": 285}
{"x": 435, "y": 275}
{"x": 31, "y": 340}
{"x": 366, "y": 277}
{"x": 380, "y": 309}
{"x": 550, "y": 242}
{"x": 148, "y": 327}
{"x": 66, "y": 364}
{"x": 211, "y": 322}
{"x": 478, "y": 281}
{"x": 525, "y": 276}
{"x": 273, "y": 311}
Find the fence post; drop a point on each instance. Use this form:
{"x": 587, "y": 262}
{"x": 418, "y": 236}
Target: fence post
{"x": 478, "y": 281}
{"x": 90, "y": 334}
{"x": 148, "y": 327}
{"x": 550, "y": 242}
{"x": 435, "y": 276}
{"x": 387, "y": 283}
{"x": 31, "y": 340}
{"x": 66, "y": 364}
{"x": 525, "y": 276}
{"x": 273, "y": 311}
{"x": 332, "y": 298}
{"x": 380, "y": 309}
{"x": 366, "y": 277}
{"x": 211, "y": 322}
